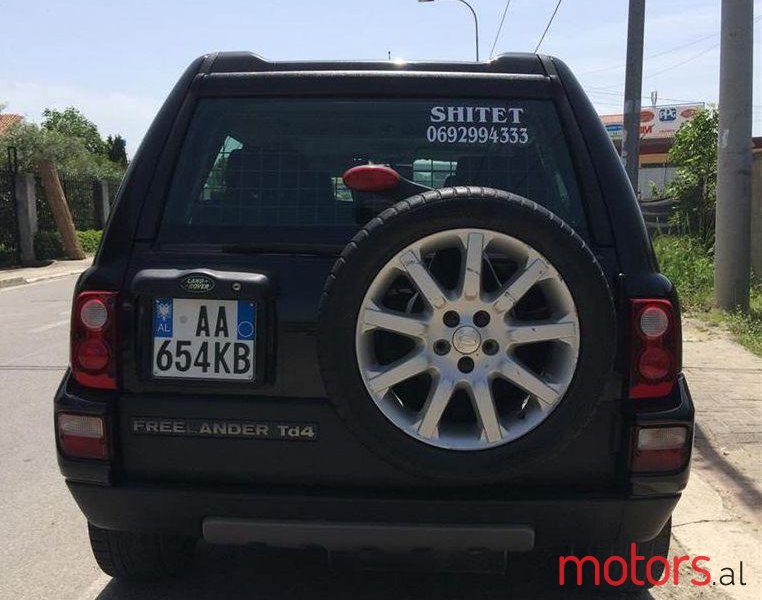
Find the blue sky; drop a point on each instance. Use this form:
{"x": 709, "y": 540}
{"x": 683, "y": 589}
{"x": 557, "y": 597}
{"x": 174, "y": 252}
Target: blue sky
{"x": 116, "y": 60}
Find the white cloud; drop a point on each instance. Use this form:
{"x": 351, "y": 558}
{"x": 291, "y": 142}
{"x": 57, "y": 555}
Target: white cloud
{"x": 112, "y": 111}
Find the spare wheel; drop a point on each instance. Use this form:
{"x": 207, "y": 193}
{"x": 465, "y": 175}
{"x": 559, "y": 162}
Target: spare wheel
{"x": 466, "y": 334}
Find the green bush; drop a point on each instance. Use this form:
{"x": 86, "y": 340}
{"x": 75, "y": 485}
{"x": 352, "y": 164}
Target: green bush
{"x": 90, "y": 240}
{"x": 694, "y": 188}
{"x": 691, "y": 268}
{"x": 7, "y": 257}
{"x": 47, "y": 244}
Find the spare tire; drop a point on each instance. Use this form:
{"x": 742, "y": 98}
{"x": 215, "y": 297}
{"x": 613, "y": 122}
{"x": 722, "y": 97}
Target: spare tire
{"x": 465, "y": 335}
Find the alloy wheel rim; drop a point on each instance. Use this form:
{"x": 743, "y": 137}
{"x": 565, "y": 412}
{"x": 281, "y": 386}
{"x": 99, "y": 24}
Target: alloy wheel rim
{"x": 467, "y": 341}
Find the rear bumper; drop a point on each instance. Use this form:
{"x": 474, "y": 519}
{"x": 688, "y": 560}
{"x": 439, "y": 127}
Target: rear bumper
{"x": 345, "y": 522}
{"x": 322, "y": 515}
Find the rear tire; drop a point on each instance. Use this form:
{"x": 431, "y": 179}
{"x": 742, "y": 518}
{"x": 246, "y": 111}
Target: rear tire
{"x": 139, "y": 556}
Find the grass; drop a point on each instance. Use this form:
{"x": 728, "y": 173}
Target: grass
{"x": 691, "y": 269}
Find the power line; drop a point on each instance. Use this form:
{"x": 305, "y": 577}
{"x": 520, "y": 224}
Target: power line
{"x": 662, "y": 52}
{"x": 673, "y": 66}
{"x": 681, "y": 63}
{"x": 610, "y": 92}
{"x": 591, "y": 91}
{"x": 603, "y": 91}
{"x": 499, "y": 29}
{"x": 646, "y": 98}
{"x": 553, "y": 16}
{"x": 617, "y": 104}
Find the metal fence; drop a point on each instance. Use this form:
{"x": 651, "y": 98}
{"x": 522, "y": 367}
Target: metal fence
{"x": 81, "y": 196}
{"x": 113, "y": 188}
{"x": 9, "y": 244}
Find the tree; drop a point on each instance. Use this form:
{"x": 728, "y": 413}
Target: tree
{"x": 116, "y": 149}
{"x": 72, "y": 123}
{"x": 694, "y": 188}
{"x": 70, "y": 154}
{"x": 67, "y": 138}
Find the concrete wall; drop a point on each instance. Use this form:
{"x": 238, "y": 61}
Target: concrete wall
{"x": 660, "y": 176}
{"x": 756, "y": 213}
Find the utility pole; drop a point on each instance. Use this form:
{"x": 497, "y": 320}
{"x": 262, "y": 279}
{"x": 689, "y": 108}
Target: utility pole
{"x": 633, "y": 83}
{"x": 732, "y": 250}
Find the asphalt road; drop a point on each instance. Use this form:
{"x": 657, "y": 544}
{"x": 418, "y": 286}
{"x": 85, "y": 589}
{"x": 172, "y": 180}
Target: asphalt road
{"x": 44, "y": 552}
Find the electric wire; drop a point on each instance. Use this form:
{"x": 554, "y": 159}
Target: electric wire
{"x": 667, "y": 51}
{"x": 499, "y": 29}
{"x": 550, "y": 21}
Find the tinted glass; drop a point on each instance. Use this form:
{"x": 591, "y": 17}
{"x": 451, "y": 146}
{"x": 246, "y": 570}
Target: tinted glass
{"x": 271, "y": 169}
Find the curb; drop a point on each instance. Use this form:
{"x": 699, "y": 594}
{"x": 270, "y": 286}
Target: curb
{"x": 12, "y": 282}
{"x": 18, "y": 281}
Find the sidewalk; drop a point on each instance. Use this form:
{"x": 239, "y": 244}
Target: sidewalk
{"x": 720, "y": 513}
{"x": 58, "y": 268}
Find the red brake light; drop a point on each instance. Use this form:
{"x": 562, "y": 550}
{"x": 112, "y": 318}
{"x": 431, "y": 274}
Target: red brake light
{"x": 93, "y": 355}
{"x": 654, "y": 348}
{"x": 371, "y": 178}
{"x": 93, "y": 339}
{"x": 654, "y": 364}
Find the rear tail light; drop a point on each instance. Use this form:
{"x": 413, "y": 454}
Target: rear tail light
{"x": 82, "y": 436}
{"x": 654, "y": 348}
{"x": 93, "y": 339}
{"x": 660, "y": 449}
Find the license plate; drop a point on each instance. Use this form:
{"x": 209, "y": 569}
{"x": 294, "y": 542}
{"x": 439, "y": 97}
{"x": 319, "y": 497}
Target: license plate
{"x": 203, "y": 339}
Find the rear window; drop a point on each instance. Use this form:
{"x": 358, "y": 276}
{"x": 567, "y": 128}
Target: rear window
{"x": 270, "y": 170}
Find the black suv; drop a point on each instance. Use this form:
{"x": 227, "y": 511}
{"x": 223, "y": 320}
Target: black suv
{"x": 374, "y": 306}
